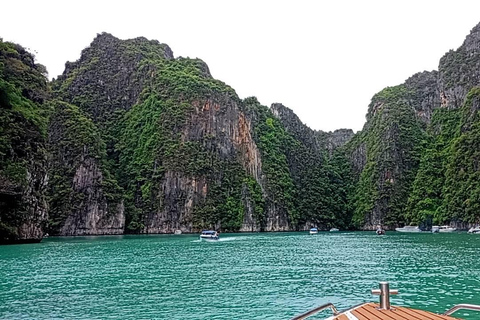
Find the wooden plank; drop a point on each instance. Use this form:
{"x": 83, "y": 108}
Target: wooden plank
{"x": 369, "y": 311}
{"x": 366, "y": 312}
{"x": 424, "y": 315}
{"x": 385, "y": 314}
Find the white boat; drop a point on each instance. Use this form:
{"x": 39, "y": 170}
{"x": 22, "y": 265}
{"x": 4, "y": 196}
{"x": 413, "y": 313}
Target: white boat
{"x": 178, "y": 231}
{"x": 474, "y": 230}
{"x": 334, "y": 230}
{"x": 408, "y": 229}
{"x": 446, "y": 229}
{"x": 209, "y": 235}
{"x": 313, "y": 231}
{"x": 435, "y": 229}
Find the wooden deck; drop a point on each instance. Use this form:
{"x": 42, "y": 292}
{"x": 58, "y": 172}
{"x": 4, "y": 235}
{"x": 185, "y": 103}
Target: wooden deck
{"x": 369, "y": 311}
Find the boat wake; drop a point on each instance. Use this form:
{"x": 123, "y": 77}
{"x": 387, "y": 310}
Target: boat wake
{"x": 227, "y": 239}
{"x": 213, "y": 240}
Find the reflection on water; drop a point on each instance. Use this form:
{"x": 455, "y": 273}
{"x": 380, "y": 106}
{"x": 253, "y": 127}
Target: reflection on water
{"x": 240, "y": 276}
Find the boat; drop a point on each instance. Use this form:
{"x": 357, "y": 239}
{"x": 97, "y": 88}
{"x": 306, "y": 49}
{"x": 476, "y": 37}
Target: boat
{"x": 383, "y": 310}
{"x": 178, "y": 231}
{"x": 334, "y": 230}
{"x": 408, "y": 229}
{"x": 209, "y": 235}
{"x": 474, "y": 230}
{"x": 313, "y": 231}
{"x": 446, "y": 229}
{"x": 380, "y": 231}
{"x": 435, "y": 229}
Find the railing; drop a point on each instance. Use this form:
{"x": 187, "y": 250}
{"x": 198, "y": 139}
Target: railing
{"x": 473, "y": 307}
{"x": 317, "y": 309}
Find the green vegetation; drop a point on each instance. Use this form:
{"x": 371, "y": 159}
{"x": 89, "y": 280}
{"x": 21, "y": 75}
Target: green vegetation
{"x": 394, "y": 140}
{"x": 152, "y": 142}
{"x": 23, "y": 119}
{"x": 425, "y": 201}
{"x": 179, "y": 149}
{"x": 273, "y": 142}
{"x": 462, "y": 177}
{"x": 75, "y": 143}
{"x": 309, "y": 186}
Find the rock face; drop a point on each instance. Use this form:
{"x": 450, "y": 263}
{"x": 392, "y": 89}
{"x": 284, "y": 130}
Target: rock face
{"x": 331, "y": 141}
{"x": 94, "y": 216}
{"x": 84, "y": 200}
{"x": 386, "y": 154}
{"x": 458, "y": 71}
{"x": 221, "y": 132}
{"x": 183, "y": 146}
{"x": 295, "y": 127}
{"x": 23, "y": 91}
{"x": 110, "y": 75}
{"x": 424, "y": 94}
{"x": 134, "y": 140}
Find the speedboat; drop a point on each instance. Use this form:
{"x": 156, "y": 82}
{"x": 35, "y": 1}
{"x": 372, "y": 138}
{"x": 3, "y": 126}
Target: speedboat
{"x": 446, "y": 229}
{"x": 435, "y": 229}
{"x": 209, "y": 235}
{"x": 474, "y": 230}
{"x": 408, "y": 229}
{"x": 313, "y": 231}
{"x": 334, "y": 230}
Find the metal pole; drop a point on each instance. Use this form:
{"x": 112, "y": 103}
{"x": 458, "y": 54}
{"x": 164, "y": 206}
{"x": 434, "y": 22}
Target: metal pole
{"x": 384, "y": 292}
{"x": 384, "y": 296}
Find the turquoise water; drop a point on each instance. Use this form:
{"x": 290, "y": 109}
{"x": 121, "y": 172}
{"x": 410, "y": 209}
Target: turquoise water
{"x": 242, "y": 276}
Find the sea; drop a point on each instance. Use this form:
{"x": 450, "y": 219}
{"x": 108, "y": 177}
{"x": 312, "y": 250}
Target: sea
{"x": 240, "y": 276}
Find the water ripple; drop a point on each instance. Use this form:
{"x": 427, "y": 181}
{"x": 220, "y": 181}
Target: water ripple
{"x": 243, "y": 276}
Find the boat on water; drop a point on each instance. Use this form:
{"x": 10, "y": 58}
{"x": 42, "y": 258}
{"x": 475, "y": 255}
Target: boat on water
{"x": 383, "y": 310}
{"x": 209, "y": 235}
{"x": 380, "y": 231}
{"x": 474, "y": 230}
{"x": 334, "y": 230}
{"x": 408, "y": 229}
{"x": 446, "y": 229}
{"x": 313, "y": 231}
{"x": 435, "y": 229}
{"x": 178, "y": 231}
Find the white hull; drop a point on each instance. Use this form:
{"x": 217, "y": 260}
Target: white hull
{"x": 475, "y": 230}
{"x": 408, "y": 229}
{"x": 209, "y": 237}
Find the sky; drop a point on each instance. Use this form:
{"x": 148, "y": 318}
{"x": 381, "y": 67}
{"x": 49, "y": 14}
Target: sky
{"x": 323, "y": 59}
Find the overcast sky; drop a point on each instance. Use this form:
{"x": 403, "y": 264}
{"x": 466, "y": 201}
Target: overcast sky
{"x": 323, "y": 59}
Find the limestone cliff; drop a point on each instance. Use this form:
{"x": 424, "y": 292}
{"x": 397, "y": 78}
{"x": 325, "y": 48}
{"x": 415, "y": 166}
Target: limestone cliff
{"x": 176, "y": 139}
{"x": 23, "y": 110}
{"x": 386, "y": 154}
{"x": 139, "y": 141}
{"x": 84, "y": 199}
{"x": 458, "y": 71}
